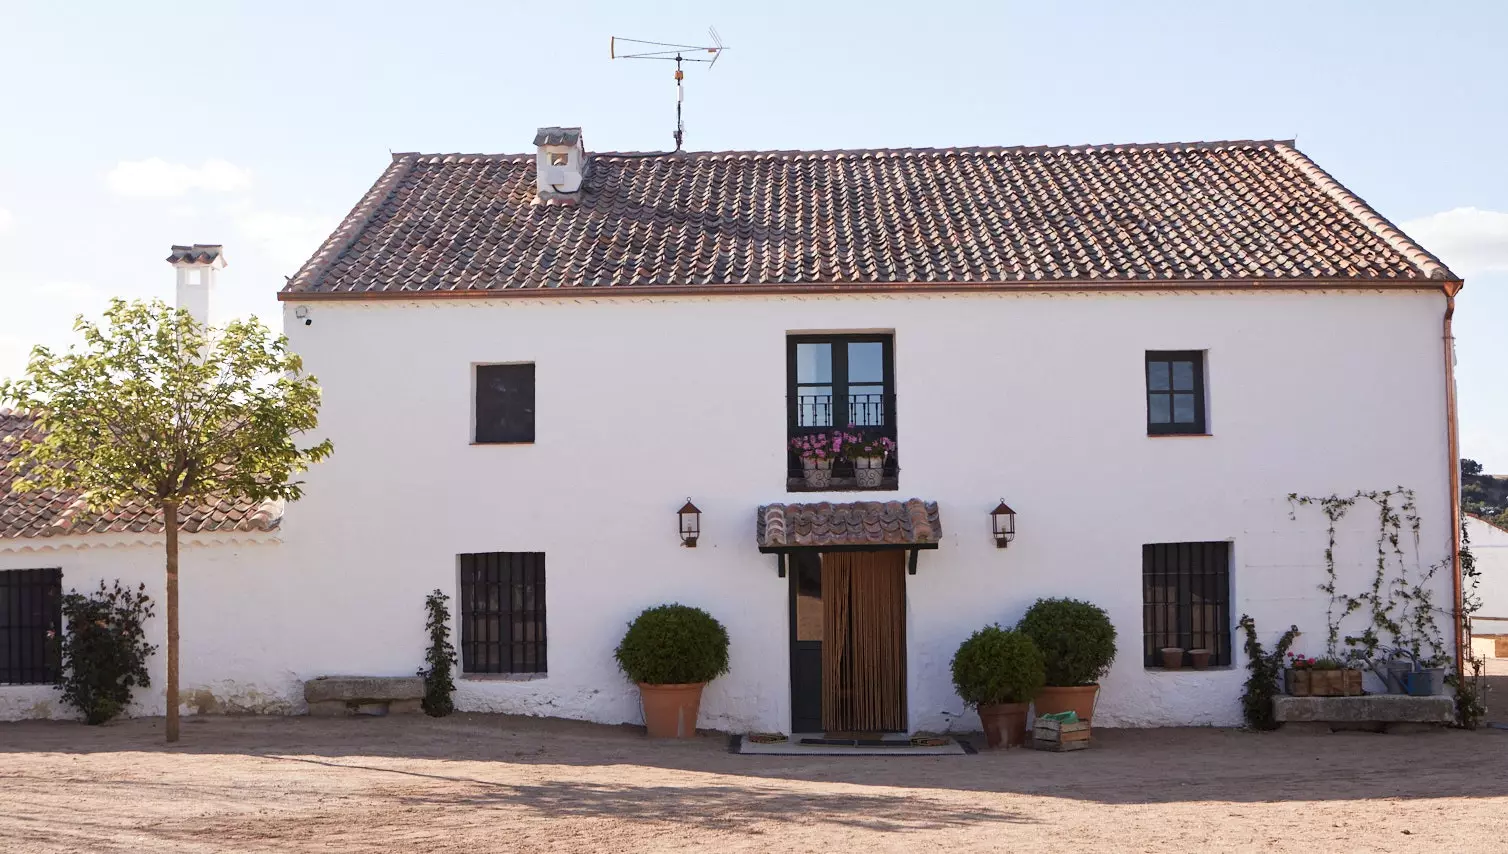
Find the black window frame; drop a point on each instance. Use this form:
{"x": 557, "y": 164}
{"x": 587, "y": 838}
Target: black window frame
{"x": 1200, "y": 425}
{"x": 842, "y": 469}
{"x": 1188, "y": 570}
{"x": 28, "y": 651}
{"x": 523, "y": 618}
{"x": 493, "y": 435}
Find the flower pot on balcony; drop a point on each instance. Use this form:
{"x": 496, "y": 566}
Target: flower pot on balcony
{"x": 867, "y": 471}
{"x": 818, "y": 473}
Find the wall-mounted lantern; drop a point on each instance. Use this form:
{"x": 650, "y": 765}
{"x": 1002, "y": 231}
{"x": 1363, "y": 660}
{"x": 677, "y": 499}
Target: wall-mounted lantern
{"x": 691, "y": 524}
{"x": 1003, "y": 524}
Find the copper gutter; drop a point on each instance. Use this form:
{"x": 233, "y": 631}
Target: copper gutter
{"x": 1453, "y": 442}
{"x": 822, "y": 288}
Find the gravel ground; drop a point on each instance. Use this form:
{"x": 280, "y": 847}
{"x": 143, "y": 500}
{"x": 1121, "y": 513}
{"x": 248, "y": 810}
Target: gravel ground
{"x": 494, "y": 783}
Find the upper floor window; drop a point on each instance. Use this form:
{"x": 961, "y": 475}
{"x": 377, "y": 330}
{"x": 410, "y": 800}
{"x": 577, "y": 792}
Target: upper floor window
{"x": 1175, "y": 392}
{"x": 30, "y": 613}
{"x": 504, "y": 404}
{"x": 841, "y": 384}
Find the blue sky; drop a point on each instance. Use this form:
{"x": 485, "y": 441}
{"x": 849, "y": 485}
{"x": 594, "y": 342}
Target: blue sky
{"x": 129, "y": 127}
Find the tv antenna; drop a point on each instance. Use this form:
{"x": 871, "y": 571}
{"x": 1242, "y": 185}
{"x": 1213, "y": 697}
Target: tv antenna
{"x": 671, "y": 53}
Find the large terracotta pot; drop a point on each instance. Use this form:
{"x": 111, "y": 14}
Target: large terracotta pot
{"x": 670, "y": 710}
{"x": 1004, "y": 723}
{"x": 1067, "y": 698}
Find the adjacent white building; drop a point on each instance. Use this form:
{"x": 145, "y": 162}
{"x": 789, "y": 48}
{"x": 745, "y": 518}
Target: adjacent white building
{"x": 530, "y": 362}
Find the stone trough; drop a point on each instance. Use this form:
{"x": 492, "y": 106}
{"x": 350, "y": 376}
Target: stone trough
{"x": 1373, "y": 712}
{"x": 337, "y": 696}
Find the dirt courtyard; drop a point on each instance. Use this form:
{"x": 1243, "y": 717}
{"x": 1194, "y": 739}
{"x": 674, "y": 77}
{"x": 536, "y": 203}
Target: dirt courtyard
{"x": 492, "y": 783}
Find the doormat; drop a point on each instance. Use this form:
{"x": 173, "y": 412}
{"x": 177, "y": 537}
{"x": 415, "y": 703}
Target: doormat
{"x": 817, "y": 745}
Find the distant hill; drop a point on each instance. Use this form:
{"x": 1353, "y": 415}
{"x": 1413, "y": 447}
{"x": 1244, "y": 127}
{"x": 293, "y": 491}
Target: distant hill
{"x": 1484, "y": 495}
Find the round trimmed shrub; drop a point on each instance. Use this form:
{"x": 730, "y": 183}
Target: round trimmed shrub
{"x": 672, "y": 645}
{"x": 997, "y": 665}
{"x": 1076, "y": 638}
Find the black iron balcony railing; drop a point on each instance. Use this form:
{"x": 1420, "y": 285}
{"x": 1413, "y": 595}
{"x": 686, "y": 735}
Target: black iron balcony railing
{"x": 870, "y": 415}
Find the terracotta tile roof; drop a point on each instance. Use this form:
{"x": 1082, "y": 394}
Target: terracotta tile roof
{"x": 51, "y": 513}
{"x": 858, "y": 523}
{"x": 1186, "y": 213}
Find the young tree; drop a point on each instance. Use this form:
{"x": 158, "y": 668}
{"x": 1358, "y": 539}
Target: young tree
{"x": 158, "y": 410}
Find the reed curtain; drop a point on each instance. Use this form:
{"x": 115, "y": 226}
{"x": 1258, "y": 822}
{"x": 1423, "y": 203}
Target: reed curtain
{"x": 864, "y": 645}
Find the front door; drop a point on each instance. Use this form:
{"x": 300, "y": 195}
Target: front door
{"x": 848, "y": 642}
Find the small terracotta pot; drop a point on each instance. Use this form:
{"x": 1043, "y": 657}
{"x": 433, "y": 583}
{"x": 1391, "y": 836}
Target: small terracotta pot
{"x": 670, "y": 710}
{"x": 1004, "y": 723}
{"x": 1172, "y": 658}
{"x": 1066, "y": 698}
{"x": 1199, "y": 658}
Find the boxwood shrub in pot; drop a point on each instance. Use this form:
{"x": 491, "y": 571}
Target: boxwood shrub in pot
{"x": 672, "y": 652}
{"x": 999, "y": 671}
{"x": 1077, "y": 641}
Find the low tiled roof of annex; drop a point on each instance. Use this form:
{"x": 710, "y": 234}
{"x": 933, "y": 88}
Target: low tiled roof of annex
{"x": 1184, "y": 213}
{"x": 50, "y": 513}
{"x": 856, "y": 523}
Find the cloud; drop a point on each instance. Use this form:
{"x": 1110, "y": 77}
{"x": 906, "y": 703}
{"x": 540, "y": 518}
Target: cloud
{"x": 288, "y": 239}
{"x": 157, "y": 178}
{"x": 7, "y": 219}
{"x": 1470, "y": 241}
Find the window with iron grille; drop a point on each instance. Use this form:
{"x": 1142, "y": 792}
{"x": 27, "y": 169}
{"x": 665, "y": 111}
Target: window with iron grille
{"x": 840, "y": 382}
{"x": 1186, "y": 599}
{"x": 502, "y": 612}
{"x": 30, "y": 608}
{"x": 504, "y": 404}
{"x": 1175, "y": 392}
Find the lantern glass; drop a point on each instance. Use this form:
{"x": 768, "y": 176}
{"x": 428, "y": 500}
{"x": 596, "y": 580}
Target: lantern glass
{"x": 691, "y": 524}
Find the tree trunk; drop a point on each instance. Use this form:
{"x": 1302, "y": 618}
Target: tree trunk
{"x": 170, "y": 526}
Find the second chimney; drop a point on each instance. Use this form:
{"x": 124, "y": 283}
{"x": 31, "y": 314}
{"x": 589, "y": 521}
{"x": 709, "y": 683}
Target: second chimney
{"x": 196, "y": 266}
{"x": 560, "y": 164}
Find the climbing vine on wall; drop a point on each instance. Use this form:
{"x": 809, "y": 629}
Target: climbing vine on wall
{"x": 1398, "y": 600}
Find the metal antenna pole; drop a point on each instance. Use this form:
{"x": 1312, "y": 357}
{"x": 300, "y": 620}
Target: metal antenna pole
{"x": 680, "y": 129}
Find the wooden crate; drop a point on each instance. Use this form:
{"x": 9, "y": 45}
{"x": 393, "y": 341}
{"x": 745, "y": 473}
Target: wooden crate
{"x": 1057, "y": 736}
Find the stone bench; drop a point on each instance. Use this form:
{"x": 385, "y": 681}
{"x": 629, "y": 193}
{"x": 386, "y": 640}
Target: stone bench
{"x": 337, "y": 696}
{"x": 1373, "y": 712}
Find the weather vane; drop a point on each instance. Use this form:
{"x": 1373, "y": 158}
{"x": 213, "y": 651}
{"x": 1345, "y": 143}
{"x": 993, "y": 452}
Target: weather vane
{"x": 671, "y": 53}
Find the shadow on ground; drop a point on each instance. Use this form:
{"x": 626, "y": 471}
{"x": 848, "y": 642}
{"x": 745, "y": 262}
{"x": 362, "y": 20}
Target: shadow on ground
{"x": 1123, "y": 767}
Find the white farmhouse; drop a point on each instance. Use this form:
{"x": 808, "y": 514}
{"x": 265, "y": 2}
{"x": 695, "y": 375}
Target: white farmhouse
{"x": 530, "y": 362}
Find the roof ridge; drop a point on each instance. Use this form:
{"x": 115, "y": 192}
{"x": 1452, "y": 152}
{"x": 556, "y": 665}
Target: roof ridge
{"x": 1431, "y": 266}
{"x": 1080, "y": 148}
{"x": 351, "y": 227}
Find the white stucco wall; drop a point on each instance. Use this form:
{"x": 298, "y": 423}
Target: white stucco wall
{"x": 641, "y": 402}
{"x": 237, "y": 600}
{"x": 1490, "y": 546}
{"x": 1034, "y": 397}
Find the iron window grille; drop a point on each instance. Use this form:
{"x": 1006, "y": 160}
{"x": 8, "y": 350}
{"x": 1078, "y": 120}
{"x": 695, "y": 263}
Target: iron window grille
{"x": 31, "y": 614}
{"x": 1186, "y": 600}
{"x": 1175, "y": 392}
{"x": 840, "y": 383}
{"x": 502, "y": 613}
{"x": 504, "y": 404}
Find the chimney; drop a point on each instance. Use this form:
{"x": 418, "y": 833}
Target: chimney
{"x": 196, "y": 266}
{"x": 559, "y": 166}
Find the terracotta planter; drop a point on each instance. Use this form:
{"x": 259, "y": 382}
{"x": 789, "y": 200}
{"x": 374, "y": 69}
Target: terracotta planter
{"x": 1172, "y": 658}
{"x": 670, "y": 710}
{"x": 1199, "y": 658}
{"x": 1069, "y": 698}
{"x": 1004, "y": 724}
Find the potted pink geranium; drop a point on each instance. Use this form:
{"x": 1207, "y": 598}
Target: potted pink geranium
{"x": 867, "y": 453}
{"x": 817, "y": 452}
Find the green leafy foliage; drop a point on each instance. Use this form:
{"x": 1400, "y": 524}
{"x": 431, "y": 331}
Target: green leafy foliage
{"x": 1264, "y": 668}
{"x": 1076, "y": 638}
{"x": 1483, "y": 495}
{"x": 998, "y": 665}
{"x": 103, "y": 649}
{"x": 673, "y": 644}
{"x": 439, "y": 678}
{"x": 155, "y": 409}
